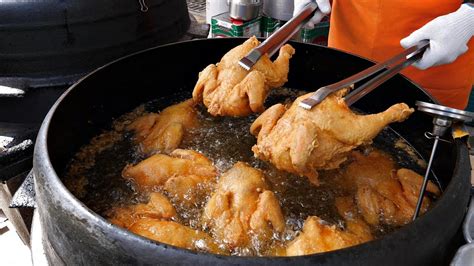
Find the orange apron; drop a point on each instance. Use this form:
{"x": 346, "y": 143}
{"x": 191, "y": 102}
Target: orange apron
{"x": 374, "y": 28}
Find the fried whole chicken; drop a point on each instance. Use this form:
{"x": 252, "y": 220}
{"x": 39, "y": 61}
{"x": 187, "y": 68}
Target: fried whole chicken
{"x": 242, "y": 208}
{"x": 164, "y": 132}
{"x": 226, "y": 89}
{"x": 384, "y": 194}
{"x": 185, "y": 175}
{"x": 319, "y": 236}
{"x": 303, "y": 141}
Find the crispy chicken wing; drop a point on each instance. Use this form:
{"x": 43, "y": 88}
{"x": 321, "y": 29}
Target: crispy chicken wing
{"x": 175, "y": 234}
{"x": 164, "y": 132}
{"x": 304, "y": 141}
{"x": 242, "y": 207}
{"x": 227, "y": 89}
{"x": 158, "y": 207}
{"x": 184, "y": 174}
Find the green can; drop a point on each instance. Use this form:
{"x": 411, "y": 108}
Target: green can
{"x": 223, "y": 26}
{"x": 269, "y": 25}
{"x": 317, "y": 35}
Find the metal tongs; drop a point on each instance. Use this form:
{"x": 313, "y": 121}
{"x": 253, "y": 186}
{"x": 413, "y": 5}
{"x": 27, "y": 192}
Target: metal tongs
{"x": 273, "y": 43}
{"x": 394, "y": 65}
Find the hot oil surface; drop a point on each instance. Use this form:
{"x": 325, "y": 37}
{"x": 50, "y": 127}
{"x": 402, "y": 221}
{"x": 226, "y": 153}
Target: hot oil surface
{"x": 225, "y": 141}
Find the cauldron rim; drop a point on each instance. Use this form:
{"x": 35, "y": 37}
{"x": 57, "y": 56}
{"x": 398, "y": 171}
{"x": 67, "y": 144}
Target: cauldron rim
{"x": 42, "y": 159}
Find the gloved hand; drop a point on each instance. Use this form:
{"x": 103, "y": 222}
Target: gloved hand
{"x": 448, "y": 36}
{"x": 324, "y": 8}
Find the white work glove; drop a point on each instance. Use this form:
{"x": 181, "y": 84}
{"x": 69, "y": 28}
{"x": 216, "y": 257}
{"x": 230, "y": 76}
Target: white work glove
{"x": 448, "y": 36}
{"x": 324, "y": 8}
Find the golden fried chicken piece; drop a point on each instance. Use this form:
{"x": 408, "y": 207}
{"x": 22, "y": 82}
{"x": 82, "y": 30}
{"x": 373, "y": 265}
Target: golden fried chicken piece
{"x": 227, "y": 89}
{"x": 184, "y": 174}
{"x": 354, "y": 223}
{"x": 242, "y": 208}
{"x": 175, "y": 234}
{"x": 393, "y": 201}
{"x": 411, "y": 185}
{"x": 365, "y": 169}
{"x": 385, "y": 194}
{"x": 318, "y": 236}
{"x": 164, "y": 132}
{"x": 158, "y": 207}
{"x": 304, "y": 141}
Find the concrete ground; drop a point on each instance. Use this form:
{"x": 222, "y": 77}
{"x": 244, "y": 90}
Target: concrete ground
{"x": 12, "y": 250}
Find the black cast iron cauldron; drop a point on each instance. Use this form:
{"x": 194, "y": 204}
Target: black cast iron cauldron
{"x": 46, "y": 42}
{"x": 79, "y": 236}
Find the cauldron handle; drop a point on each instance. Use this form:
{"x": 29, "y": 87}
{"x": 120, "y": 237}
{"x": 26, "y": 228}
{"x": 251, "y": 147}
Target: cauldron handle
{"x": 25, "y": 196}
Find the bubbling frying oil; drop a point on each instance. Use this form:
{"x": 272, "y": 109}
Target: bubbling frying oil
{"x": 94, "y": 175}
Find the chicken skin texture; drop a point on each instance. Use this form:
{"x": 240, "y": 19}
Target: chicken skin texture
{"x": 164, "y": 132}
{"x": 319, "y": 236}
{"x": 393, "y": 201}
{"x": 303, "y": 141}
{"x": 185, "y": 175}
{"x": 158, "y": 207}
{"x": 384, "y": 194}
{"x": 175, "y": 234}
{"x": 354, "y": 222}
{"x": 242, "y": 208}
{"x": 226, "y": 89}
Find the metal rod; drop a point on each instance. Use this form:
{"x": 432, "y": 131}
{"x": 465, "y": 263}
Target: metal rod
{"x": 277, "y": 39}
{"x": 425, "y": 179}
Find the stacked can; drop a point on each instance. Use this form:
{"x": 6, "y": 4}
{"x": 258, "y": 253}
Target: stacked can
{"x": 270, "y": 25}
{"x": 224, "y": 26}
{"x": 277, "y": 12}
{"x": 317, "y": 35}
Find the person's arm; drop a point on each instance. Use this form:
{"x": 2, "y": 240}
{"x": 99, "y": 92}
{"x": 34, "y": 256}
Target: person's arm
{"x": 324, "y": 8}
{"x": 448, "y": 36}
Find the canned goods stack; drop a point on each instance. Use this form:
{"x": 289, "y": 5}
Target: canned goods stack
{"x": 277, "y": 12}
{"x": 269, "y": 25}
{"x": 317, "y": 35}
{"x": 241, "y": 19}
{"x": 224, "y": 26}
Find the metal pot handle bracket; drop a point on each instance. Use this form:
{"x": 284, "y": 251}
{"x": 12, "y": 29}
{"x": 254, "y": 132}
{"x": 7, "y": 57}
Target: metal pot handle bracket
{"x": 25, "y": 196}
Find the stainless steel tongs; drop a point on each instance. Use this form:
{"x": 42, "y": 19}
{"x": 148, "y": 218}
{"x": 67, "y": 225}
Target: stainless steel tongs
{"x": 273, "y": 43}
{"x": 394, "y": 65}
